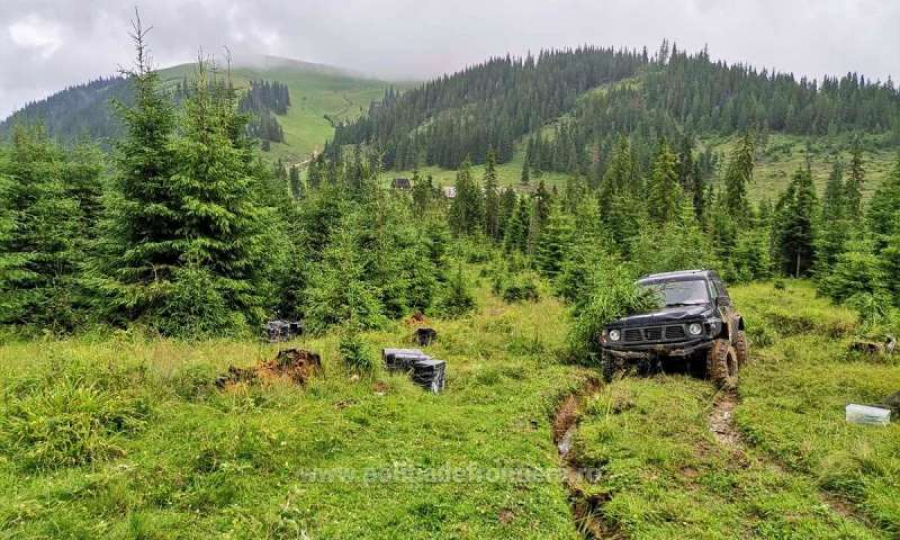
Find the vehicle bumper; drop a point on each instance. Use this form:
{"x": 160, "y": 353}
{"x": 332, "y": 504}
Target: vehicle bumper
{"x": 674, "y": 350}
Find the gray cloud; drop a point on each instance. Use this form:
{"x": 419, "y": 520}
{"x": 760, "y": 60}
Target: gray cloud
{"x": 48, "y": 44}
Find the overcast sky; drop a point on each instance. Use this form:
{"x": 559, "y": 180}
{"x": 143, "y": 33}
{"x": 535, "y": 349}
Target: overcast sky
{"x": 48, "y": 44}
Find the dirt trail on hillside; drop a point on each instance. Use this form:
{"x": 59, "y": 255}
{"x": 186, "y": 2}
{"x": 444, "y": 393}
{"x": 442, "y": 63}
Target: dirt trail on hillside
{"x": 586, "y": 509}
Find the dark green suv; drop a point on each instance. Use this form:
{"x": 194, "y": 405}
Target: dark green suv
{"x": 696, "y": 322}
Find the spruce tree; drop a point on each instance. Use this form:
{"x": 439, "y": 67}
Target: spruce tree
{"x": 41, "y": 242}
{"x": 296, "y": 183}
{"x": 467, "y": 209}
{"x": 890, "y": 260}
{"x": 855, "y": 179}
{"x": 856, "y": 271}
{"x": 526, "y": 173}
{"x": 507, "y": 208}
{"x": 339, "y": 291}
{"x": 12, "y": 263}
{"x": 554, "y": 242}
{"x": 540, "y": 213}
{"x": 664, "y": 193}
{"x": 795, "y": 225}
{"x": 617, "y": 180}
{"x": 516, "y": 238}
{"x": 678, "y": 244}
{"x": 722, "y": 227}
{"x": 491, "y": 198}
{"x": 185, "y": 247}
{"x": 140, "y": 251}
{"x": 422, "y": 193}
{"x": 219, "y": 223}
{"x": 458, "y": 299}
{"x": 737, "y": 176}
{"x": 883, "y": 207}
{"x": 833, "y": 224}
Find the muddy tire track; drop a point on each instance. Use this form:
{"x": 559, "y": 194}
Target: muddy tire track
{"x": 721, "y": 424}
{"x": 586, "y": 509}
{"x": 721, "y": 421}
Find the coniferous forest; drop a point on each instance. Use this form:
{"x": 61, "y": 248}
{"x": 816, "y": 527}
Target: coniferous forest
{"x": 184, "y": 229}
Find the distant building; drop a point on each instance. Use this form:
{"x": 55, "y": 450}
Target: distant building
{"x": 449, "y": 192}
{"x": 401, "y": 183}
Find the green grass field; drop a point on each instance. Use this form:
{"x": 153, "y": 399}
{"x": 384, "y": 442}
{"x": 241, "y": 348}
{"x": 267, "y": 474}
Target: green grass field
{"x": 508, "y": 174}
{"x": 126, "y": 437}
{"x": 775, "y": 166}
{"x": 784, "y": 154}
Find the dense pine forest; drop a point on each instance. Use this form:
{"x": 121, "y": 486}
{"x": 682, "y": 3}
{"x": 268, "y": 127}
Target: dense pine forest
{"x": 669, "y": 94}
{"x": 80, "y": 112}
{"x": 87, "y": 112}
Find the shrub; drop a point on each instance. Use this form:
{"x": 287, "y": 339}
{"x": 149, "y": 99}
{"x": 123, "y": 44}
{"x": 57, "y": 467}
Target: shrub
{"x": 522, "y": 288}
{"x": 857, "y": 271}
{"x": 354, "y": 351}
{"x": 458, "y": 300}
{"x": 195, "y": 306}
{"x": 874, "y": 309}
{"x": 615, "y": 295}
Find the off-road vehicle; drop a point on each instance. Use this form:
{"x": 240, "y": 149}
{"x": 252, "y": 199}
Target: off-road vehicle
{"x": 696, "y": 325}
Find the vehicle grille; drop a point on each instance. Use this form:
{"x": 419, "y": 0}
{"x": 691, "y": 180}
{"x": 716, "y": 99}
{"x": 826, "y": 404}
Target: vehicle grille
{"x": 653, "y": 334}
{"x": 675, "y": 332}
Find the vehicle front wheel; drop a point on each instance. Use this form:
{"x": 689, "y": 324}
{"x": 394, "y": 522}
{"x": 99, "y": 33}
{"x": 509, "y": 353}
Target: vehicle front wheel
{"x": 742, "y": 346}
{"x": 722, "y": 364}
{"x": 611, "y": 367}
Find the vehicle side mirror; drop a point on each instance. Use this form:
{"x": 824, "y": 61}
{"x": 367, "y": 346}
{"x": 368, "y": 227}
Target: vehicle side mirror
{"x": 723, "y": 301}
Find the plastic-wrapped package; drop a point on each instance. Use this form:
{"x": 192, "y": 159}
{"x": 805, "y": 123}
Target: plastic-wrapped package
{"x": 864, "y": 414}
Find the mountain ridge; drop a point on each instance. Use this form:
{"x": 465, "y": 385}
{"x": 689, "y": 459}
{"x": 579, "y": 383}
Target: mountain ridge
{"x": 322, "y": 95}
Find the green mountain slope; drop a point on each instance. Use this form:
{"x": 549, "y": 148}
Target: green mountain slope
{"x": 321, "y": 96}
{"x": 564, "y": 112}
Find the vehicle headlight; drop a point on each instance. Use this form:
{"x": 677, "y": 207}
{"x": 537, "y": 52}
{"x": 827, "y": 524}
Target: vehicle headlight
{"x": 615, "y": 335}
{"x": 695, "y": 329}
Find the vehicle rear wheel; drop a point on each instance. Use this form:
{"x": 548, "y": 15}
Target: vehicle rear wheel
{"x": 722, "y": 364}
{"x": 742, "y": 346}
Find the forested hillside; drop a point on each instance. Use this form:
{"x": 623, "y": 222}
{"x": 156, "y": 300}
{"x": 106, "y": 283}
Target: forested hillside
{"x": 671, "y": 94}
{"x": 80, "y": 111}
{"x": 291, "y": 122}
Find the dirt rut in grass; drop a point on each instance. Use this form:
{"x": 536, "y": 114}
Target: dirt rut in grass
{"x": 721, "y": 424}
{"x": 721, "y": 421}
{"x": 586, "y": 509}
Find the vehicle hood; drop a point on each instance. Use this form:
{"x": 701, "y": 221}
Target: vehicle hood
{"x": 666, "y": 315}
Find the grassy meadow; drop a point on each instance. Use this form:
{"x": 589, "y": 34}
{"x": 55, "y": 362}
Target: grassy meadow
{"x": 784, "y": 154}
{"x": 130, "y": 438}
{"x": 123, "y": 436}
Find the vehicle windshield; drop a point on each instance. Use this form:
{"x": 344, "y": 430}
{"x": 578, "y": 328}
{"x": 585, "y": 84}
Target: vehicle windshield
{"x": 691, "y": 292}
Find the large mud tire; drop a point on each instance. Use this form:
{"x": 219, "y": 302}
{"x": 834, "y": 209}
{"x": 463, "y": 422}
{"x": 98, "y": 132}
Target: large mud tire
{"x": 742, "y": 347}
{"x": 722, "y": 364}
{"x": 611, "y": 367}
